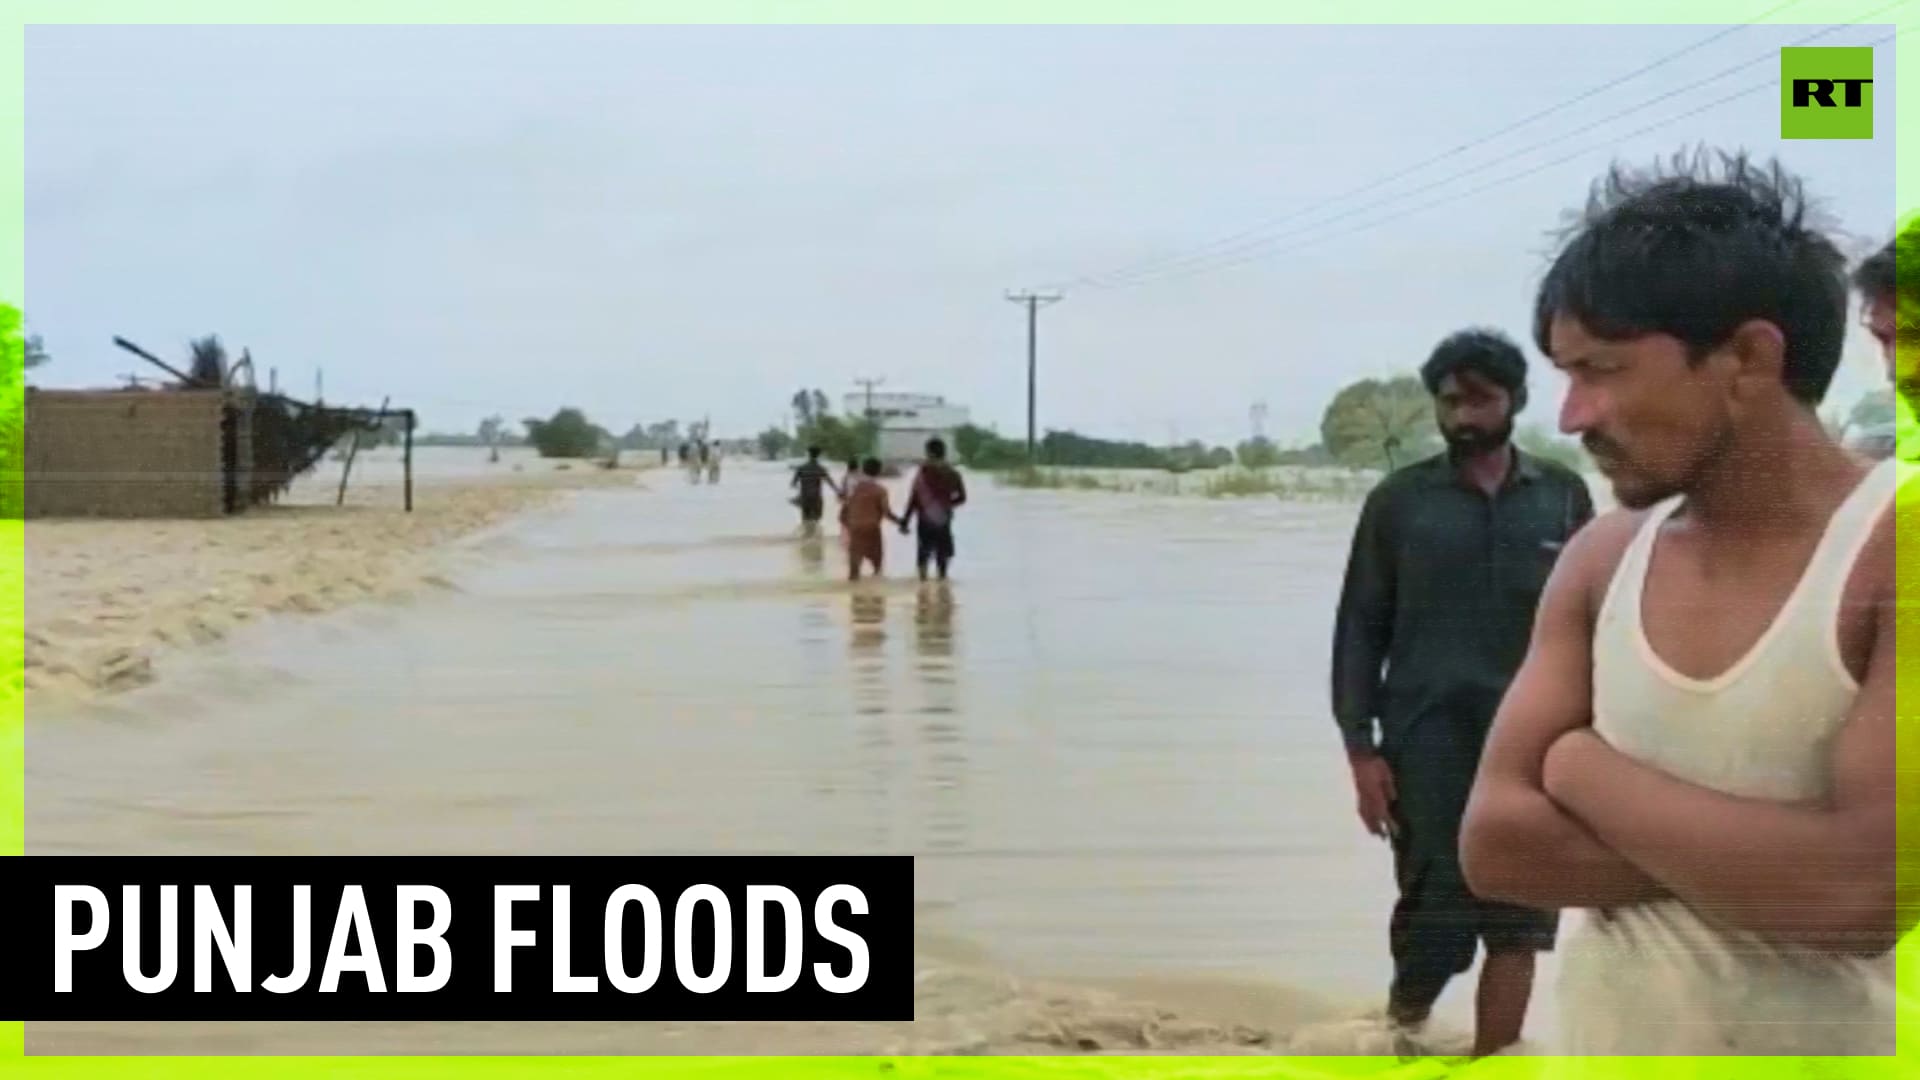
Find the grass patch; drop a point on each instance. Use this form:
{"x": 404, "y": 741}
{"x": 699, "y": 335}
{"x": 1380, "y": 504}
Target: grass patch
{"x": 1318, "y": 485}
{"x": 1303, "y": 486}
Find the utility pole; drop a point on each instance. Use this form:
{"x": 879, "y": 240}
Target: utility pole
{"x": 868, "y": 385}
{"x": 1033, "y": 302}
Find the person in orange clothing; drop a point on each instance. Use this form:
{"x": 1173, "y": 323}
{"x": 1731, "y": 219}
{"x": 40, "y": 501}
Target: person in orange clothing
{"x": 868, "y": 506}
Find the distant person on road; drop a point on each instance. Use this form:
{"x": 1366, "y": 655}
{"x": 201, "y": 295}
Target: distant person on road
{"x": 713, "y": 466}
{"x": 937, "y": 490}
{"x": 810, "y": 477}
{"x": 867, "y": 507}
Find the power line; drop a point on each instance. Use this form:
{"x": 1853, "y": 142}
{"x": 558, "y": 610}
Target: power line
{"x": 1237, "y": 240}
{"x": 1477, "y": 189}
{"x": 869, "y": 384}
{"x": 1033, "y": 302}
{"x": 1240, "y": 254}
{"x": 1175, "y": 271}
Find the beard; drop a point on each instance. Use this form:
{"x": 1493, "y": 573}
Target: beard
{"x": 1478, "y": 440}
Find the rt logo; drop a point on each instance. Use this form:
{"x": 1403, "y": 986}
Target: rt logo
{"x": 1826, "y": 93}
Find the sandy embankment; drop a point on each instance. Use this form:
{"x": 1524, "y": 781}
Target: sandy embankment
{"x": 106, "y": 598}
{"x": 964, "y": 1004}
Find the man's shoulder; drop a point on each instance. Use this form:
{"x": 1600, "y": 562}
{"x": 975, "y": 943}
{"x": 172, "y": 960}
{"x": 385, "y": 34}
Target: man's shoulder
{"x": 1595, "y": 552}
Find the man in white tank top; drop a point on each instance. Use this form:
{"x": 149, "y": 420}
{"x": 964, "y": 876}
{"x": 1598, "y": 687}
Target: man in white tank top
{"x": 1698, "y": 752}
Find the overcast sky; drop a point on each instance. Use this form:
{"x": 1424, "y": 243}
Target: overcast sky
{"x": 655, "y": 222}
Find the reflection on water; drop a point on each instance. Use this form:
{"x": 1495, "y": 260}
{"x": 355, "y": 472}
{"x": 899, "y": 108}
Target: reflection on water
{"x": 1107, "y": 740}
{"x": 940, "y": 730}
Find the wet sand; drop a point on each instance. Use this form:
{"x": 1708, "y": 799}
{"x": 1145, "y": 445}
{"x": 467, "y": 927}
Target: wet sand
{"x": 964, "y": 1003}
{"x": 1105, "y": 743}
{"x": 107, "y": 600}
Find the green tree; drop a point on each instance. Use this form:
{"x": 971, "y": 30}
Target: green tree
{"x": 35, "y": 352}
{"x": 1074, "y": 450}
{"x": 1380, "y": 423}
{"x": 1258, "y": 453}
{"x": 808, "y": 407}
{"x": 838, "y": 439}
{"x": 1315, "y": 456}
{"x": 775, "y": 444}
{"x": 981, "y": 448}
{"x": 489, "y": 435}
{"x": 567, "y": 434}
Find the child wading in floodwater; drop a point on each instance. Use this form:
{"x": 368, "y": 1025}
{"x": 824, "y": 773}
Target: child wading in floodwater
{"x": 867, "y": 507}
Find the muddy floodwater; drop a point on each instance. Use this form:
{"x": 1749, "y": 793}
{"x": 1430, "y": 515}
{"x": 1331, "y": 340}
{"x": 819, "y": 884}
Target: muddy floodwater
{"x": 1107, "y": 740}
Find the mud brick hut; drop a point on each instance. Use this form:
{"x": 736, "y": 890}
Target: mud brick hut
{"x": 201, "y": 448}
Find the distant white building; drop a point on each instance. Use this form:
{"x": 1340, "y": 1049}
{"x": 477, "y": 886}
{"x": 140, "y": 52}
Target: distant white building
{"x": 907, "y": 421}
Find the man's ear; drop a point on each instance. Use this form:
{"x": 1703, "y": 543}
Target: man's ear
{"x": 1519, "y": 398}
{"x": 1759, "y": 350}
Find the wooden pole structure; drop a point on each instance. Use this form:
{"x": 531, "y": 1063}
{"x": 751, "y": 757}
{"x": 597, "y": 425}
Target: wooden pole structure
{"x": 152, "y": 359}
{"x": 407, "y": 459}
{"x": 341, "y": 499}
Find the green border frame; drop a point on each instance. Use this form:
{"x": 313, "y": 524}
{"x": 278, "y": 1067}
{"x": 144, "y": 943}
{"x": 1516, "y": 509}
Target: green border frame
{"x": 1575, "y": 12}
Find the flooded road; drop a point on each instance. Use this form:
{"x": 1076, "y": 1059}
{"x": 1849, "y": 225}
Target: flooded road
{"x": 1106, "y": 740}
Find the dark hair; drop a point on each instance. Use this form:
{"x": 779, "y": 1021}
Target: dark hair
{"x": 871, "y": 466}
{"x": 1893, "y": 272}
{"x": 813, "y": 451}
{"x": 936, "y": 447}
{"x": 1874, "y": 277}
{"x": 1693, "y": 253}
{"x": 1488, "y": 353}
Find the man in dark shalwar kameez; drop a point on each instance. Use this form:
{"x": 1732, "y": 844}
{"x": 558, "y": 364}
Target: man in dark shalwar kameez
{"x": 1449, "y": 561}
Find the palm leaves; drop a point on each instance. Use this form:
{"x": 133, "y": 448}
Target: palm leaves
{"x": 208, "y": 361}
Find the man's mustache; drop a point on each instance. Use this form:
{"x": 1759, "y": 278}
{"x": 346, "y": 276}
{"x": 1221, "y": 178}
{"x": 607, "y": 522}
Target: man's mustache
{"x": 1600, "y": 446}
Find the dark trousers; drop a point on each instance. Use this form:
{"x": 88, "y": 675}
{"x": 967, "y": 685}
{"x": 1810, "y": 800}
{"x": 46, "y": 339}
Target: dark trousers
{"x": 1438, "y": 924}
{"x": 935, "y": 543}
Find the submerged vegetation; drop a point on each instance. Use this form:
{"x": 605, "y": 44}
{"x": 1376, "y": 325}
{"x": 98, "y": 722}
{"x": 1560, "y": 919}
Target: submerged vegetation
{"x": 1293, "y": 484}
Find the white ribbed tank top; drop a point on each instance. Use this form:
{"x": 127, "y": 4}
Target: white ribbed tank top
{"x": 1656, "y": 979}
